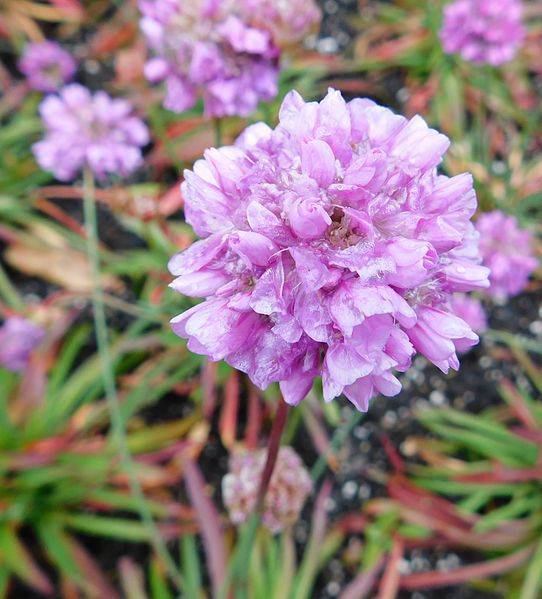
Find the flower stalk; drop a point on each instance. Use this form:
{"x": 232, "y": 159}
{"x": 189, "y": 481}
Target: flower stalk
{"x": 118, "y": 432}
{"x": 241, "y": 563}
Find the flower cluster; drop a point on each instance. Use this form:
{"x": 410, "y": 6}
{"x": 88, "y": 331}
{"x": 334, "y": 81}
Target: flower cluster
{"x": 86, "y": 130}
{"x": 218, "y": 50}
{"x": 18, "y": 338}
{"x": 46, "y": 66}
{"x": 288, "y": 490}
{"x": 507, "y": 251}
{"x": 483, "y": 31}
{"x": 331, "y": 247}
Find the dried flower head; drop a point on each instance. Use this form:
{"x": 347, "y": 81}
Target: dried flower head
{"x": 288, "y": 490}
{"x": 89, "y": 130}
{"x": 331, "y": 247}
{"x": 18, "y": 338}
{"x": 207, "y": 48}
{"x": 483, "y": 31}
{"x": 46, "y": 66}
{"x": 507, "y": 250}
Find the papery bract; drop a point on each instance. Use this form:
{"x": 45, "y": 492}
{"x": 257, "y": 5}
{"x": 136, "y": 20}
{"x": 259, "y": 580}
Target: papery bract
{"x": 332, "y": 247}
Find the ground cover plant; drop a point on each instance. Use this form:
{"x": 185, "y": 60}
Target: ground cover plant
{"x": 270, "y": 318}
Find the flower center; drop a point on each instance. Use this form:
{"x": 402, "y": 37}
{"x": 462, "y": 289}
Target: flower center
{"x": 340, "y": 232}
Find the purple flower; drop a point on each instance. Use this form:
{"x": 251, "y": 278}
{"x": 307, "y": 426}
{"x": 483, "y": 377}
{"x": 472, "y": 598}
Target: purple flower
{"x": 86, "y": 130}
{"x": 18, "y": 338}
{"x": 470, "y": 309}
{"x": 331, "y": 247}
{"x": 507, "y": 251}
{"x": 483, "y": 31}
{"x": 46, "y": 66}
{"x": 288, "y": 490}
{"x": 206, "y": 48}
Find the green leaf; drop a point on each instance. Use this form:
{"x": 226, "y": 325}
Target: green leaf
{"x": 15, "y": 557}
{"x": 190, "y": 566}
{"x": 158, "y": 583}
{"x": 532, "y": 585}
{"x": 56, "y": 543}
{"x": 113, "y": 528}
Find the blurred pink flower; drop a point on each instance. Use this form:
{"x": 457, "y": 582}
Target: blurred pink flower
{"x": 470, "y": 309}
{"x": 93, "y": 130}
{"x": 206, "y": 48}
{"x": 507, "y": 251}
{"x": 483, "y": 31}
{"x": 46, "y": 66}
{"x": 288, "y": 490}
{"x": 18, "y": 338}
{"x": 288, "y": 20}
{"x": 331, "y": 248}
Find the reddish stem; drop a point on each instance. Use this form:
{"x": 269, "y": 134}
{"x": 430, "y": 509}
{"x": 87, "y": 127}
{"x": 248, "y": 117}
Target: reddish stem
{"x": 272, "y": 451}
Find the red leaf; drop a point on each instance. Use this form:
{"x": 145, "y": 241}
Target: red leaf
{"x": 498, "y": 566}
{"x": 209, "y": 523}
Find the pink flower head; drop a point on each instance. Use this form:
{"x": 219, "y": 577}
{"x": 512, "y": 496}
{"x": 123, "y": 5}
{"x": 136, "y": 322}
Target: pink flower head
{"x": 507, "y": 251}
{"x": 331, "y": 247}
{"x": 483, "y": 31}
{"x": 46, "y": 66}
{"x": 288, "y": 490}
{"x": 470, "y": 309}
{"x": 206, "y": 48}
{"x": 86, "y": 130}
{"x": 18, "y": 338}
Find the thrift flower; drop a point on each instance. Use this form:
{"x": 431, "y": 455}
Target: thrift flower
{"x": 207, "y": 48}
{"x": 46, "y": 66}
{"x": 89, "y": 130}
{"x": 507, "y": 251}
{"x": 18, "y": 338}
{"x": 288, "y": 490}
{"x": 483, "y": 31}
{"x": 331, "y": 247}
{"x": 470, "y": 309}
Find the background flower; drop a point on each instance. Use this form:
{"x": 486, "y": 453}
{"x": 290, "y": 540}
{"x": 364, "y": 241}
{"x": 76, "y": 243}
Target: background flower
{"x": 470, "y": 309}
{"x": 288, "y": 20}
{"x": 206, "y": 48}
{"x": 483, "y": 31}
{"x": 93, "y": 130}
{"x": 18, "y": 338}
{"x": 507, "y": 251}
{"x": 46, "y": 66}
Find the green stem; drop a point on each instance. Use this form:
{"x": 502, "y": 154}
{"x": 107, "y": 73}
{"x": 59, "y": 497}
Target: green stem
{"x": 117, "y": 423}
{"x": 218, "y": 133}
